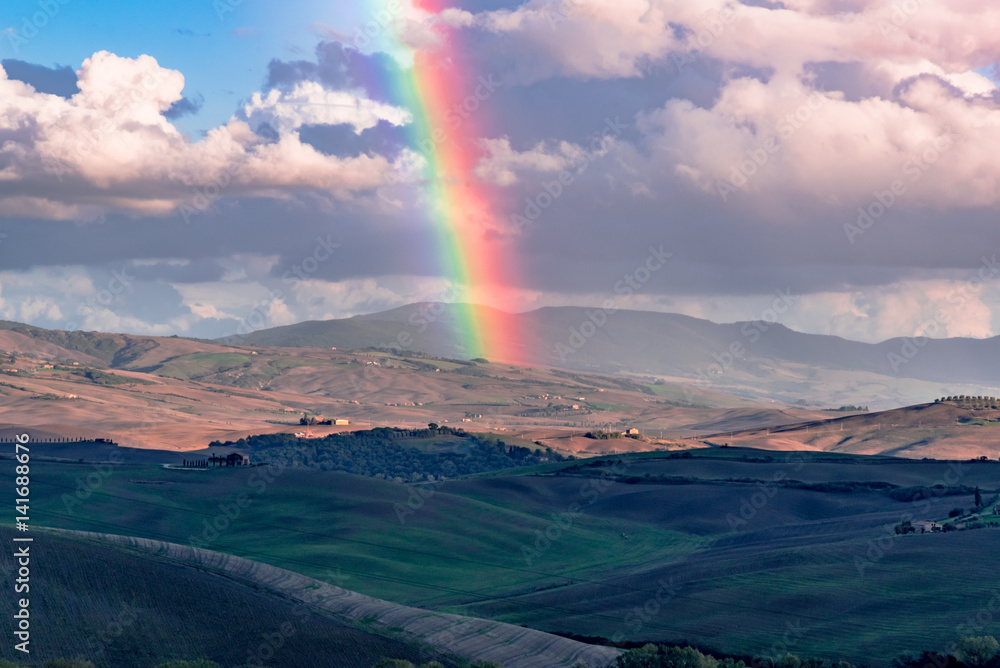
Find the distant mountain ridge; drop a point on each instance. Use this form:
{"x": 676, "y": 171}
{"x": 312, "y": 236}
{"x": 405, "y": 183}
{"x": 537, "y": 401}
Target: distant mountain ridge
{"x": 756, "y": 360}
{"x": 762, "y": 356}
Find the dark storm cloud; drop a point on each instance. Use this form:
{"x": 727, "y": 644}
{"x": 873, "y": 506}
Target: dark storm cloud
{"x": 853, "y": 79}
{"x": 341, "y": 140}
{"x": 184, "y": 106}
{"x": 338, "y": 67}
{"x": 370, "y": 246}
{"x": 594, "y": 233}
{"x": 61, "y": 81}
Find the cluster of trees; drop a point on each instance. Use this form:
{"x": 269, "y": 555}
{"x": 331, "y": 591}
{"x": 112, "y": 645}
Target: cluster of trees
{"x": 312, "y": 419}
{"x": 383, "y": 453}
{"x": 602, "y": 435}
{"x": 978, "y": 652}
{"x": 98, "y": 377}
{"x": 969, "y": 401}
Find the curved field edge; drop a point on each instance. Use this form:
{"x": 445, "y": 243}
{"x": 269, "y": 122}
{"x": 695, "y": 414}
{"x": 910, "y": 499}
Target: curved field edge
{"x": 465, "y": 637}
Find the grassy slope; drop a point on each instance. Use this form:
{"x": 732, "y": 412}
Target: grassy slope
{"x": 804, "y": 558}
{"x": 118, "y": 608}
{"x": 737, "y": 588}
{"x": 314, "y": 522}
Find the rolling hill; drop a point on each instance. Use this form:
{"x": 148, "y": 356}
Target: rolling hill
{"x": 952, "y": 429}
{"x": 176, "y": 394}
{"x": 728, "y": 548}
{"x": 770, "y": 360}
{"x": 177, "y": 602}
{"x": 120, "y": 607}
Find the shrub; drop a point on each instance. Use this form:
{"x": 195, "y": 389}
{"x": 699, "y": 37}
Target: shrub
{"x": 978, "y": 651}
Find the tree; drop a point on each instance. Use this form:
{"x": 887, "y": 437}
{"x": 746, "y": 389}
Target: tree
{"x": 978, "y": 651}
{"x": 979, "y": 499}
{"x": 433, "y": 426}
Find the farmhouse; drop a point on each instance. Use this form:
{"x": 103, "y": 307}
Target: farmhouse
{"x": 232, "y": 459}
{"x": 926, "y": 527}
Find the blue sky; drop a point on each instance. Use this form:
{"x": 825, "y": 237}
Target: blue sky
{"x": 223, "y": 54}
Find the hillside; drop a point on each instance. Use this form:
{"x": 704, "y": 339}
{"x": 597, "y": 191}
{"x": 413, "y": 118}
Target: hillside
{"x": 437, "y": 635}
{"x": 733, "y": 544}
{"x": 956, "y": 429}
{"x": 180, "y": 395}
{"x": 771, "y": 362}
{"x": 129, "y": 609}
{"x": 175, "y": 394}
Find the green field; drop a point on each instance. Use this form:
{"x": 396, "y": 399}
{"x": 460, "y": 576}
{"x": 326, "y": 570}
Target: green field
{"x": 314, "y": 522}
{"x": 116, "y": 608}
{"x": 562, "y": 548}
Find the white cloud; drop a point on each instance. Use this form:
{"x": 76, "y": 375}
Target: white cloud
{"x": 622, "y": 37}
{"x": 778, "y": 142}
{"x": 109, "y": 147}
{"x": 502, "y": 162}
{"x": 311, "y": 104}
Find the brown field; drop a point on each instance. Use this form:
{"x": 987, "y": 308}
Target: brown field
{"x": 177, "y": 394}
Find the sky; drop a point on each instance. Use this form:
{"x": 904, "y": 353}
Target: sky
{"x": 181, "y": 167}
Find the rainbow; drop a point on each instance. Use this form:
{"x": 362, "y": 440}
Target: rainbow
{"x": 461, "y": 207}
